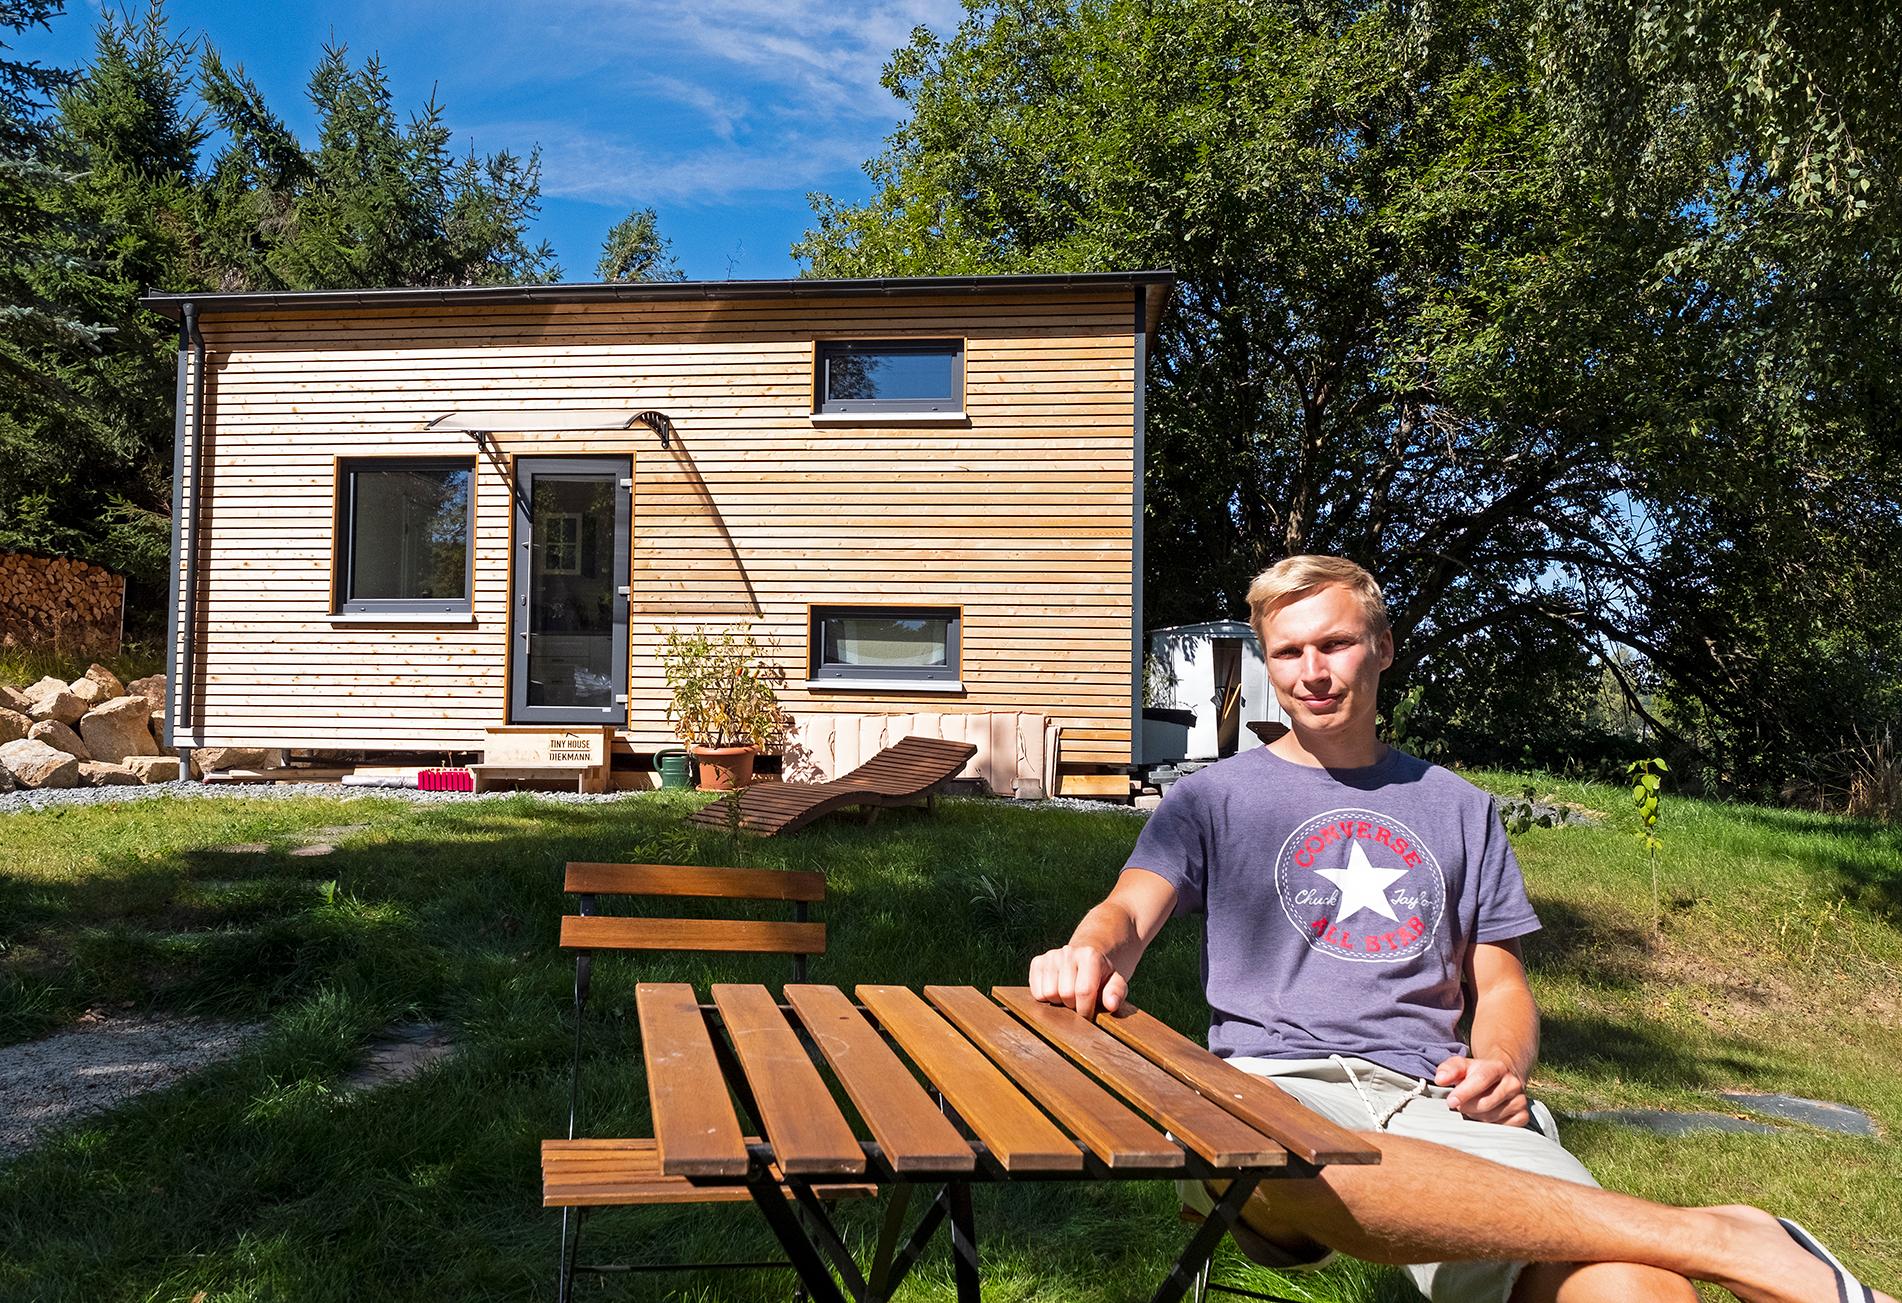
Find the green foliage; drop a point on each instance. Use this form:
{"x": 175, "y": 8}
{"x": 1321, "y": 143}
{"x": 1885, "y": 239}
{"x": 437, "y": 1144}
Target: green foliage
{"x": 1556, "y": 396}
{"x": 1647, "y": 778}
{"x": 104, "y": 194}
{"x": 722, "y": 688}
{"x": 635, "y": 250}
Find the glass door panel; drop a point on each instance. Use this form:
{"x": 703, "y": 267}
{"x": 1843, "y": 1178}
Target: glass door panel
{"x": 570, "y": 599}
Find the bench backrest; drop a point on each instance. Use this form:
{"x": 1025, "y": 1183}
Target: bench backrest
{"x": 590, "y": 931}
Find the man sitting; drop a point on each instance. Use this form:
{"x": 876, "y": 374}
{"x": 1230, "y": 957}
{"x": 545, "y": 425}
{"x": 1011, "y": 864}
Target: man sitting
{"x": 1357, "y": 898}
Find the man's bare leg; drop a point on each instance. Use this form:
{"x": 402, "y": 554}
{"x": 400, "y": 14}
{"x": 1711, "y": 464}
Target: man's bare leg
{"x": 1601, "y": 1282}
{"x": 1427, "y": 1203}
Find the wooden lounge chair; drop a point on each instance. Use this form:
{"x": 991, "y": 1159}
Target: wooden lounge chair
{"x": 904, "y": 773}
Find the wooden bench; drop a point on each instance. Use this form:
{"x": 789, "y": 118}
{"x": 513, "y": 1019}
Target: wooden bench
{"x": 580, "y": 1173}
{"x": 908, "y": 771}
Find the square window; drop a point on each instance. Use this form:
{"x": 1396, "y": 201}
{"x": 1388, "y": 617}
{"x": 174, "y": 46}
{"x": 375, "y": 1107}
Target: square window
{"x": 404, "y": 530}
{"x": 891, "y": 375}
{"x": 873, "y": 643}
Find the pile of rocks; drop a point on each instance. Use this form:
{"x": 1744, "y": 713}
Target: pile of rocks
{"x": 92, "y": 732}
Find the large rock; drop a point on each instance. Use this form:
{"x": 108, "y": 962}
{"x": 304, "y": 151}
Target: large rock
{"x": 119, "y": 728}
{"x": 108, "y": 681}
{"x": 151, "y": 687}
{"x": 45, "y": 687}
{"x": 159, "y": 731}
{"x": 8, "y": 782}
{"x": 37, "y": 765}
{"x": 15, "y": 700}
{"x": 90, "y": 694}
{"x": 206, "y": 760}
{"x": 60, "y": 738}
{"x": 14, "y": 724}
{"x": 154, "y": 769}
{"x": 58, "y": 704}
{"x": 96, "y": 773}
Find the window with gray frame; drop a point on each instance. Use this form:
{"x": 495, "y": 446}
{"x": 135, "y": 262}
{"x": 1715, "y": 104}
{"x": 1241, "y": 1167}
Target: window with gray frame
{"x": 873, "y": 643}
{"x": 890, "y": 375}
{"x": 404, "y": 529}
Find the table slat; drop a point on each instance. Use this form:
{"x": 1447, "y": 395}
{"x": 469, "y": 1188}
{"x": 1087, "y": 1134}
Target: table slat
{"x": 913, "y": 1134}
{"x": 1255, "y": 1100}
{"x": 1114, "y": 1134}
{"x": 1020, "y": 1137}
{"x": 810, "y": 1136}
{"x": 1202, "y": 1125}
{"x": 694, "y": 1122}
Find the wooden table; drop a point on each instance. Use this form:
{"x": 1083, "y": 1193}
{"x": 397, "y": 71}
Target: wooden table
{"x": 1024, "y": 1091}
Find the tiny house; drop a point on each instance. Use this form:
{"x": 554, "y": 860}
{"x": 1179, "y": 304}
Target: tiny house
{"x": 406, "y": 520}
{"x": 1210, "y": 686}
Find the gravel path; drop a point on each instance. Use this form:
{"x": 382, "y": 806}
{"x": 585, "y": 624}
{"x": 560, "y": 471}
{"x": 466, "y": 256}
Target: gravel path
{"x": 99, "y": 1064}
{"x": 11, "y": 802}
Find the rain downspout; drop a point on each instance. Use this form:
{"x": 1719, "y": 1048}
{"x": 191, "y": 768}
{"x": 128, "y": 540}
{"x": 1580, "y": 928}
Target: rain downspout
{"x": 188, "y": 534}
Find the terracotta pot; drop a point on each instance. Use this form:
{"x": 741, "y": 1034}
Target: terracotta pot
{"x": 724, "y": 769}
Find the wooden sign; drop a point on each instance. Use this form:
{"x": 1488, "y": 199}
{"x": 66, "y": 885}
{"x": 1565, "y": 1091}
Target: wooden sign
{"x": 555, "y": 747}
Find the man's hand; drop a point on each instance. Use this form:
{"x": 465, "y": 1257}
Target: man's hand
{"x": 1486, "y": 1090}
{"x": 1079, "y": 976}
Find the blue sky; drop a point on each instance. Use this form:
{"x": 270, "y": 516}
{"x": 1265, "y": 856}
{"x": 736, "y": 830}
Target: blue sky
{"x": 720, "y": 114}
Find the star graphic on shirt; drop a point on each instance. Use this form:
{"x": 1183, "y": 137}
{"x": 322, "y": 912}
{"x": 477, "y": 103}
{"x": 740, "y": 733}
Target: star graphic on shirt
{"x": 1362, "y": 885}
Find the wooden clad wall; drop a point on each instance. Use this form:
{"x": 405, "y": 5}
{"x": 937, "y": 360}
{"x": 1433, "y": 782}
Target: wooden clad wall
{"x": 1021, "y": 515}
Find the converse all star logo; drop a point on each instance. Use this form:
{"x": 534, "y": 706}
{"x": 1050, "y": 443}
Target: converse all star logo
{"x": 1360, "y": 886}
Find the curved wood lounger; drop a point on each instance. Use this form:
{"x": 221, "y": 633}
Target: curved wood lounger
{"x": 911, "y": 768}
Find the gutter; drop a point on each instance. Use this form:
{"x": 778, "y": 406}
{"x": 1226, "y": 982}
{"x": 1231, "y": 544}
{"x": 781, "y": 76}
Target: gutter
{"x": 184, "y": 621}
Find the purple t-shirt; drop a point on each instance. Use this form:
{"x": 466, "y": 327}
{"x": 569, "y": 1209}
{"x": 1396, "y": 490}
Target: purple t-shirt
{"x": 1341, "y": 903}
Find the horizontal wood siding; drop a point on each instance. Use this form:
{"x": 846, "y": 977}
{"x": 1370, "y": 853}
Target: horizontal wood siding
{"x": 1020, "y": 516}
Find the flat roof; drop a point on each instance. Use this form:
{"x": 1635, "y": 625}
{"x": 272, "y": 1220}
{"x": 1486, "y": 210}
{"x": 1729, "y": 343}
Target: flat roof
{"x": 1155, "y": 286}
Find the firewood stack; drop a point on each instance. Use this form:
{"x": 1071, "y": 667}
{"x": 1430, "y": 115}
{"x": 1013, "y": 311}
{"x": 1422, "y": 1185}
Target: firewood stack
{"x": 55, "y": 600}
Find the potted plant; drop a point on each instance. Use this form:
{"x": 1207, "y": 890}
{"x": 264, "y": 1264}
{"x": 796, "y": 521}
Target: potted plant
{"x": 724, "y": 707}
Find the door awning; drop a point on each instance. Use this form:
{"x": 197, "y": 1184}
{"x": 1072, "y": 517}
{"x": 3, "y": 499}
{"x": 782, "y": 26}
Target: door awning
{"x": 567, "y": 419}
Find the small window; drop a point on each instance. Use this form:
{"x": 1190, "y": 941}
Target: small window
{"x": 884, "y": 642}
{"x": 404, "y": 529}
{"x": 891, "y": 375}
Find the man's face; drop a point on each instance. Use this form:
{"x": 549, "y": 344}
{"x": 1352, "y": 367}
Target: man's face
{"x": 1325, "y": 663}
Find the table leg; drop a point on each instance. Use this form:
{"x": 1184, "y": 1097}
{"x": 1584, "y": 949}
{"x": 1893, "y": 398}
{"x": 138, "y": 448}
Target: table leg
{"x": 888, "y": 1242}
{"x": 963, "y": 1242}
{"x": 800, "y": 1252}
{"x": 1202, "y": 1244}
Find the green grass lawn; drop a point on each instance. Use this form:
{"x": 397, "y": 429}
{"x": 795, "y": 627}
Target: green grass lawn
{"x": 1776, "y": 969}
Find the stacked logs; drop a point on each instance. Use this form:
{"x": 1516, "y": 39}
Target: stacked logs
{"x": 56, "y": 600}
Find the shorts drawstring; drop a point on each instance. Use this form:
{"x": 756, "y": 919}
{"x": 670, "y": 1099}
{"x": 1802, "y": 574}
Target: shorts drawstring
{"x": 1380, "y": 1119}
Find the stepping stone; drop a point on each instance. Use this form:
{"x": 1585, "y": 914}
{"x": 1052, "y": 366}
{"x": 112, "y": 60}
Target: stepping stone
{"x": 315, "y": 848}
{"x": 336, "y": 832}
{"x": 1665, "y": 1123}
{"x": 246, "y": 848}
{"x": 1840, "y": 1118}
{"x": 399, "y": 1053}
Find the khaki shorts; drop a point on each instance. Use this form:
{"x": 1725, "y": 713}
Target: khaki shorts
{"x": 1323, "y": 1086}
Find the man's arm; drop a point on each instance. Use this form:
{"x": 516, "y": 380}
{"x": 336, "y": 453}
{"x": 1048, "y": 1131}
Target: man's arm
{"x": 1105, "y": 946}
{"x": 1491, "y": 1084}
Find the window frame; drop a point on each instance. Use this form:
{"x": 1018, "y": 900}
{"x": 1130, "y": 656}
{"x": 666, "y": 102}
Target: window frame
{"x": 839, "y": 674}
{"x": 824, "y": 350}
{"x": 342, "y": 603}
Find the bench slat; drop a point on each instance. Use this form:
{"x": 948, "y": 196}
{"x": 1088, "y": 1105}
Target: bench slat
{"x": 1200, "y": 1124}
{"x": 743, "y": 936}
{"x": 914, "y": 1135}
{"x": 810, "y": 1135}
{"x": 694, "y": 880}
{"x": 1255, "y": 1100}
{"x": 1114, "y": 1134}
{"x": 1017, "y": 1134}
{"x": 694, "y": 1123}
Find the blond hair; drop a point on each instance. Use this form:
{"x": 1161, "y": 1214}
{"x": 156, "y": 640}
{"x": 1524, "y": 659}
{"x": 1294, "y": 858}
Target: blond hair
{"x": 1297, "y": 576}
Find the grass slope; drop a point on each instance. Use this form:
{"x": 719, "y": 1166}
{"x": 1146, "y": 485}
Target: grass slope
{"x": 1775, "y": 970}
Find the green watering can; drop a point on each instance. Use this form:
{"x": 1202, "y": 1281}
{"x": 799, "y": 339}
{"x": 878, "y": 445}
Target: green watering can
{"x": 672, "y": 764}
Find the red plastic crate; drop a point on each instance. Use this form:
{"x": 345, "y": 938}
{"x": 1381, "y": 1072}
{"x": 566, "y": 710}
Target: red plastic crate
{"x": 445, "y": 780}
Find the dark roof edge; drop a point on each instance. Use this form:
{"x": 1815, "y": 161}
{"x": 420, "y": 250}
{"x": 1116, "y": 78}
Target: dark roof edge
{"x": 1155, "y": 284}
